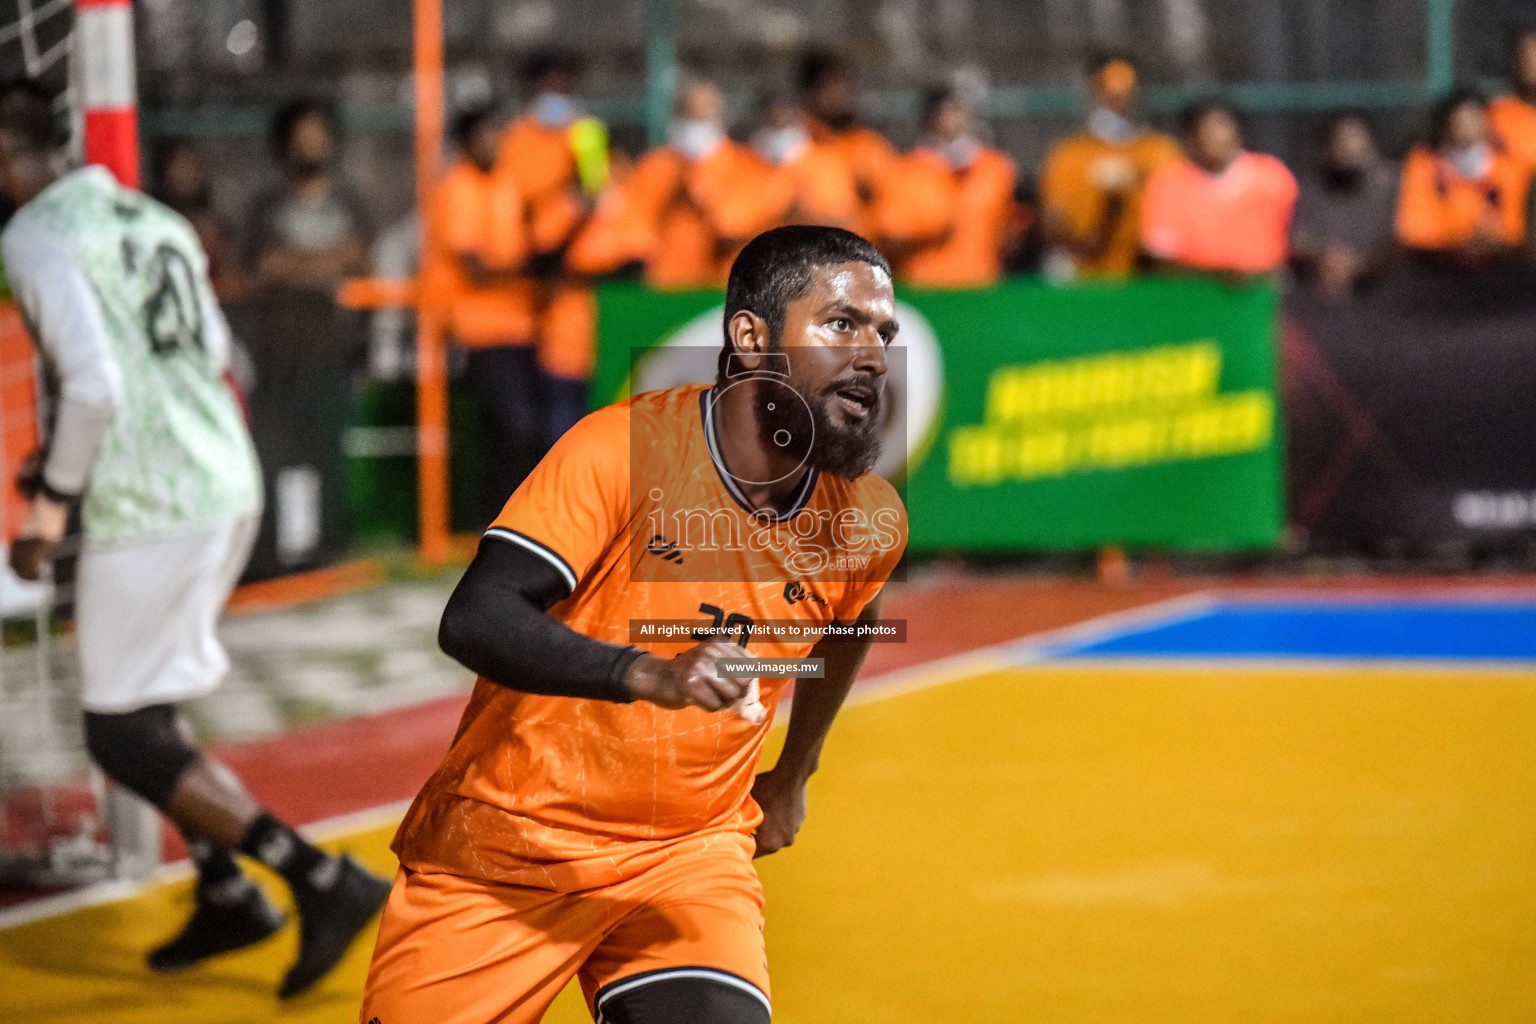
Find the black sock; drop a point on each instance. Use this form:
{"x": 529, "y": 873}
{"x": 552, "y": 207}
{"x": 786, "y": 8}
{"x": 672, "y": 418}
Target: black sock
{"x": 288, "y": 853}
{"x": 215, "y": 865}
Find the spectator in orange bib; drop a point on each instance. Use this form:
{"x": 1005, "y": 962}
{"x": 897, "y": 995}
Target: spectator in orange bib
{"x": 1513, "y": 116}
{"x": 1092, "y": 185}
{"x": 690, "y": 205}
{"x": 828, "y": 96}
{"x": 1223, "y": 209}
{"x": 559, "y": 159}
{"x": 474, "y": 274}
{"x": 816, "y": 178}
{"x": 1462, "y": 195}
{"x": 947, "y": 208}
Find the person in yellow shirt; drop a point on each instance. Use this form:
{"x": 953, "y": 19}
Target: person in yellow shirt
{"x": 1513, "y": 116}
{"x": 1092, "y": 185}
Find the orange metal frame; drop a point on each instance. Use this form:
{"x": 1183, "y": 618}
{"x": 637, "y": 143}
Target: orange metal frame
{"x": 375, "y": 293}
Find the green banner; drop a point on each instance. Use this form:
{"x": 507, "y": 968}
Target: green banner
{"x": 1043, "y": 417}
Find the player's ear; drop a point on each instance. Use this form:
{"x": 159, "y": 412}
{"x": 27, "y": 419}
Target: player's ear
{"x": 749, "y": 336}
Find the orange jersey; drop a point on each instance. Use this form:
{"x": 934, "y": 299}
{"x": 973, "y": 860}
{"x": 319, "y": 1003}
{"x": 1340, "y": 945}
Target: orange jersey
{"x": 868, "y": 153}
{"x": 1514, "y": 122}
{"x": 1081, "y": 175}
{"x": 478, "y": 214}
{"x": 542, "y": 162}
{"x": 960, "y": 220}
{"x": 688, "y": 221}
{"x": 635, "y": 511}
{"x": 1438, "y": 208}
{"x": 1237, "y": 220}
{"x": 821, "y": 188}
{"x": 568, "y": 331}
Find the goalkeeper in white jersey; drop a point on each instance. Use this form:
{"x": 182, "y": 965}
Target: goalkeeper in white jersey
{"x": 150, "y": 441}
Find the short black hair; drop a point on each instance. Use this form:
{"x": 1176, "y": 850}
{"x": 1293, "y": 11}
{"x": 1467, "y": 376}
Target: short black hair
{"x": 1191, "y": 116}
{"x": 818, "y": 66}
{"x": 26, "y": 111}
{"x": 291, "y": 113}
{"x": 468, "y": 121}
{"x": 541, "y": 63}
{"x": 1440, "y": 117}
{"x": 775, "y": 268}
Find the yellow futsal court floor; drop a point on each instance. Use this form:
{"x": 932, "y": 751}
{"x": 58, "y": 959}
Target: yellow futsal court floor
{"x": 1059, "y": 841}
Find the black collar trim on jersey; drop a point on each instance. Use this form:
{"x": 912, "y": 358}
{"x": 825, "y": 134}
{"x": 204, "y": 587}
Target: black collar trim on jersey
{"x": 803, "y": 495}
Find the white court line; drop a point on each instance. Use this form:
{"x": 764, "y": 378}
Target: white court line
{"x": 1030, "y": 649}
{"x": 1272, "y": 664}
{"x": 1346, "y": 597}
{"x": 324, "y": 831}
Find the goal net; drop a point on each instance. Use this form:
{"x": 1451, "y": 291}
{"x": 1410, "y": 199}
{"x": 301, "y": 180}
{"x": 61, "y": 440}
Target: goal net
{"x": 59, "y": 824}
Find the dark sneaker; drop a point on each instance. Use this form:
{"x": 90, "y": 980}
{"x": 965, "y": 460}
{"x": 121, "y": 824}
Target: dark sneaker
{"x": 337, "y": 904}
{"x": 228, "y": 916}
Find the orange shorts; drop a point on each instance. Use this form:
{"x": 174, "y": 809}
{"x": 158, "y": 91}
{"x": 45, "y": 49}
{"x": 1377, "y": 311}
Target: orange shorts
{"x": 456, "y": 950}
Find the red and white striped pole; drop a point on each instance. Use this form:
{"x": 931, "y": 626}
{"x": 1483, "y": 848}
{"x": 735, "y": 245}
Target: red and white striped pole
{"x": 108, "y": 94}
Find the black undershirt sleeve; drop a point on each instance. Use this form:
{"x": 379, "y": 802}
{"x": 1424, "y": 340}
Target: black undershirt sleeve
{"x": 496, "y": 625}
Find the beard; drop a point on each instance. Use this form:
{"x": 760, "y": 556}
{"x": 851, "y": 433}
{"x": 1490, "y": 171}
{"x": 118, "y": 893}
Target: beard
{"x": 846, "y": 451}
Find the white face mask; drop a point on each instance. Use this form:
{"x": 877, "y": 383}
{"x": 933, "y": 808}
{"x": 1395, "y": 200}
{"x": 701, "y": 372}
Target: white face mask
{"x": 781, "y": 145}
{"x": 1473, "y": 161}
{"x": 695, "y": 137}
{"x": 553, "y": 109}
{"x": 961, "y": 151}
{"x": 1110, "y": 127}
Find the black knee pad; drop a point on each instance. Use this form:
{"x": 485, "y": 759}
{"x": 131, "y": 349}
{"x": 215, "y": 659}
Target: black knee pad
{"x": 682, "y": 995}
{"x": 143, "y": 751}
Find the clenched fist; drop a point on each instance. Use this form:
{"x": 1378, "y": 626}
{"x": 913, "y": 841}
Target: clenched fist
{"x": 692, "y": 679}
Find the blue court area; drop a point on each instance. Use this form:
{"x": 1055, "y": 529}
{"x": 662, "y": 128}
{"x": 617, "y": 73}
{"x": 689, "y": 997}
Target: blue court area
{"x": 1476, "y": 631}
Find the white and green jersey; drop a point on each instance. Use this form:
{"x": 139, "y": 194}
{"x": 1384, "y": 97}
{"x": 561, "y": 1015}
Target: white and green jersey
{"x": 115, "y": 290}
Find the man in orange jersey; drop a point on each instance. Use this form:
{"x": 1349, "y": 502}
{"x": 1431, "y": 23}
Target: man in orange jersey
{"x": 690, "y": 205}
{"x": 946, "y": 210}
{"x": 1513, "y": 116}
{"x": 1093, "y": 181}
{"x": 816, "y": 178}
{"x": 558, "y": 157}
{"x": 1462, "y": 196}
{"x": 829, "y": 96}
{"x": 598, "y": 812}
{"x": 1223, "y": 209}
{"x": 477, "y": 250}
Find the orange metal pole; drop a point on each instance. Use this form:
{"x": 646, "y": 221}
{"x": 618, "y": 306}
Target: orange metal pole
{"x": 431, "y": 355}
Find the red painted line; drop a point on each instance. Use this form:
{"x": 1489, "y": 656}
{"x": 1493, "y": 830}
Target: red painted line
{"x": 335, "y": 768}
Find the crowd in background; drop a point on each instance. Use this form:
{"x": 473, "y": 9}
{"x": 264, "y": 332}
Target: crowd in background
{"x": 531, "y": 213}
